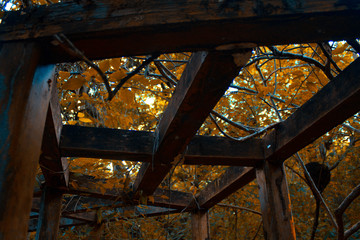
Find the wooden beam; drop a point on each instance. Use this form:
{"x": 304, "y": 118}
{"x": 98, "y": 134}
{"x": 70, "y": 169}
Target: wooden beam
{"x": 86, "y": 185}
{"x": 176, "y": 26}
{"x": 200, "y": 225}
{"x": 275, "y": 202}
{"x": 329, "y": 107}
{"x": 54, "y": 168}
{"x": 233, "y": 179}
{"x": 49, "y": 215}
{"x": 105, "y": 143}
{"x": 201, "y": 85}
{"x": 97, "y": 231}
{"x": 64, "y": 222}
{"x": 25, "y": 92}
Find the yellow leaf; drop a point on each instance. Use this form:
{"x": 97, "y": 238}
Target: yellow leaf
{"x": 85, "y": 120}
{"x": 81, "y": 115}
{"x": 74, "y": 185}
{"x": 311, "y": 86}
{"x": 340, "y": 49}
{"x": 164, "y": 197}
{"x": 74, "y": 83}
{"x": 118, "y": 75}
{"x": 104, "y": 65}
{"x": 151, "y": 199}
{"x": 71, "y": 122}
{"x": 115, "y": 63}
{"x": 64, "y": 75}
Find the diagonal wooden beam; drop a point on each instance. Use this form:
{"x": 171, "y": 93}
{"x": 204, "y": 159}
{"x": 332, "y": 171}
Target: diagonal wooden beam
{"x": 88, "y": 186}
{"x": 332, "y": 105}
{"x": 53, "y": 166}
{"x": 176, "y": 26}
{"x": 232, "y": 180}
{"x": 78, "y": 141}
{"x": 203, "y": 82}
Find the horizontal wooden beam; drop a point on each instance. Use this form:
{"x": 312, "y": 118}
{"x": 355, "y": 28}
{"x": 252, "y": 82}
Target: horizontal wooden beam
{"x": 87, "y": 185}
{"x": 232, "y": 180}
{"x": 64, "y": 222}
{"x": 163, "y": 26}
{"x": 332, "y": 105}
{"x": 105, "y": 143}
{"x": 201, "y": 86}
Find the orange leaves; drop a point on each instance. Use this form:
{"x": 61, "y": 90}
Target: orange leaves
{"x": 118, "y": 75}
{"x": 75, "y": 82}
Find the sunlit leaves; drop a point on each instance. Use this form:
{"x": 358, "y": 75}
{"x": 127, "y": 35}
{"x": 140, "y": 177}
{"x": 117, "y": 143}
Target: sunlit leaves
{"x": 73, "y": 83}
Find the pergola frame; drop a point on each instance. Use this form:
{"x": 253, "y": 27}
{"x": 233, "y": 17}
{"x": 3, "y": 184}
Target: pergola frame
{"x": 218, "y": 31}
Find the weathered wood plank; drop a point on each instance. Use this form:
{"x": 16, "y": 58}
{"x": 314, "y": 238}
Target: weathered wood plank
{"x": 53, "y": 166}
{"x": 64, "y": 222}
{"x": 24, "y": 98}
{"x": 233, "y": 179}
{"x": 332, "y": 105}
{"x": 49, "y": 215}
{"x": 200, "y": 225}
{"x": 201, "y": 85}
{"x": 86, "y": 185}
{"x": 96, "y": 232}
{"x": 275, "y": 202}
{"x": 174, "y": 26}
{"x": 77, "y": 141}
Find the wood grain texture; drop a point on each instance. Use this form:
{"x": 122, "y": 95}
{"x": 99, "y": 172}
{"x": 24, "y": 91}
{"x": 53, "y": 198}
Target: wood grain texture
{"x": 233, "y": 179}
{"x": 49, "y": 215}
{"x": 88, "y": 186}
{"x": 275, "y": 203}
{"x": 53, "y": 166}
{"x": 24, "y": 98}
{"x": 332, "y": 105}
{"x": 146, "y": 27}
{"x": 78, "y": 141}
{"x": 201, "y": 85}
{"x": 200, "y": 225}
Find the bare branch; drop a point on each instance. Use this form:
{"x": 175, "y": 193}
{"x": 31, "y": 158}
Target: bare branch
{"x": 135, "y": 71}
{"x": 240, "y": 208}
{"x": 314, "y": 189}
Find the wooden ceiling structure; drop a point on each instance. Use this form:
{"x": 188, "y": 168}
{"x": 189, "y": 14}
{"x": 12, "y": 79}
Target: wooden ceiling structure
{"x": 221, "y": 35}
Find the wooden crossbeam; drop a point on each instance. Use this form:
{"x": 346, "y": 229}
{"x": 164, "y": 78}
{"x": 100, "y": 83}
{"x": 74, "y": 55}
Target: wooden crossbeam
{"x": 77, "y": 141}
{"x": 86, "y": 185}
{"x": 64, "y": 222}
{"x": 233, "y": 179}
{"x": 332, "y": 105}
{"x": 175, "y": 26}
{"x": 202, "y": 84}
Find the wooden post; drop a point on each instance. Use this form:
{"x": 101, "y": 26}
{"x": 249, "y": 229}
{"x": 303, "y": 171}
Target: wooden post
{"x": 49, "y": 215}
{"x": 275, "y": 202}
{"x": 24, "y": 98}
{"x": 97, "y": 231}
{"x": 200, "y": 225}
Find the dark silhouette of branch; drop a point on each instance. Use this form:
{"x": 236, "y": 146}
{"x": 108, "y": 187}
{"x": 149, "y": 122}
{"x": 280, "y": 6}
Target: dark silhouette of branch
{"x": 70, "y": 46}
{"x": 135, "y": 71}
{"x": 340, "y": 211}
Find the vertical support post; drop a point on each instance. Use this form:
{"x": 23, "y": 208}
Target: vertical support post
{"x": 200, "y": 225}
{"x": 275, "y": 202}
{"x": 97, "y": 231}
{"x": 49, "y": 214}
{"x": 24, "y": 98}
